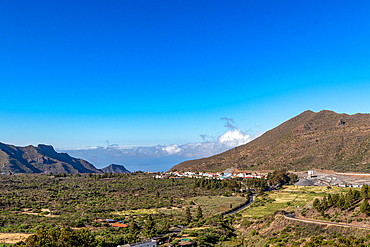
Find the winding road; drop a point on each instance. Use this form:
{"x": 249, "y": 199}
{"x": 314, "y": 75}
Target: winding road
{"x": 251, "y": 200}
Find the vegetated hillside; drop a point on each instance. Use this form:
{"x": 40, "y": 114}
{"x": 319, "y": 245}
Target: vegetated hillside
{"x": 113, "y": 168}
{"x": 42, "y": 158}
{"x": 325, "y": 140}
{"x": 30, "y": 202}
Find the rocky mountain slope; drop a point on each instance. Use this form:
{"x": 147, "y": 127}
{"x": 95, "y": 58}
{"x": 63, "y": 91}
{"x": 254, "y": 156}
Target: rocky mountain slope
{"x": 113, "y": 168}
{"x": 323, "y": 140}
{"x": 42, "y": 158}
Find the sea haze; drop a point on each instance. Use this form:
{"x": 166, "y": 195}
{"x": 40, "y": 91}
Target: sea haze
{"x": 160, "y": 157}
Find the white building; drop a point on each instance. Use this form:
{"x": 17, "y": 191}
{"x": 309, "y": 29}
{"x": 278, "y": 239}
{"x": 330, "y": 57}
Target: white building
{"x": 310, "y": 174}
{"x": 145, "y": 243}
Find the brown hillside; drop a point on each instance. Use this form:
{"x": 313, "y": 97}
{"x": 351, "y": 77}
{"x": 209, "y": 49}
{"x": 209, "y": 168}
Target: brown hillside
{"x": 324, "y": 140}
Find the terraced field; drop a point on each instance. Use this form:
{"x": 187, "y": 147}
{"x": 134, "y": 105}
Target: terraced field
{"x": 289, "y": 198}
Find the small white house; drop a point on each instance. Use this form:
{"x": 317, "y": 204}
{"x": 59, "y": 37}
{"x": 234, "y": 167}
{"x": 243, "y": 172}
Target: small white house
{"x": 310, "y": 174}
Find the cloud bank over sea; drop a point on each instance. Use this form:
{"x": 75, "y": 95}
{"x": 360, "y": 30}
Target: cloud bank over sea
{"x": 162, "y": 157}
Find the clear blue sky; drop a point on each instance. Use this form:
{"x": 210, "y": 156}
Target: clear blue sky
{"x": 80, "y": 73}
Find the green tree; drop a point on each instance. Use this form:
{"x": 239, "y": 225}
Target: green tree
{"x": 165, "y": 226}
{"x": 293, "y": 178}
{"x": 357, "y": 194}
{"x": 364, "y": 208}
{"x": 199, "y": 214}
{"x": 188, "y": 215}
{"x": 133, "y": 232}
{"x": 324, "y": 203}
{"x": 341, "y": 202}
{"x": 346, "y": 205}
{"x": 149, "y": 227}
{"x": 316, "y": 204}
{"x": 330, "y": 201}
{"x": 350, "y": 195}
{"x": 364, "y": 191}
{"x": 335, "y": 198}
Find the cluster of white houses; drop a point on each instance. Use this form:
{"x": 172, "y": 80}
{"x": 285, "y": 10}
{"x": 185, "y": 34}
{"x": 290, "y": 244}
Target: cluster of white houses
{"x": 208, "y": 175}
{"x": 311, "y": 180}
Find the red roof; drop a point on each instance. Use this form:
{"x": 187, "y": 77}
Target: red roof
{"x": 120, "y": 225}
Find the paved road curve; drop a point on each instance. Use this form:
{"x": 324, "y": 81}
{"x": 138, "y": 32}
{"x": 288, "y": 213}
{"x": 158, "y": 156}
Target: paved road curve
{"x": 251, "y": 200}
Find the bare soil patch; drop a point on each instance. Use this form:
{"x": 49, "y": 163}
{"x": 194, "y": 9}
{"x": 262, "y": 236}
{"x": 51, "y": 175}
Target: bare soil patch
{"x": 28, "y": 211}
{"x": 12, "y": 238}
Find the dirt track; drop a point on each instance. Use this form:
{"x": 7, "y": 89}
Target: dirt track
{"x": 12, "y": 238}
{"x": 328, "y": 223}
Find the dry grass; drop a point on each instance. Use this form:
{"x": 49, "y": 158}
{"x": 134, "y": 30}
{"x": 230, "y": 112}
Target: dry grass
{"x": 200, "y": 228}
{"x": 12, "y": 238}
{"x": 211, "y": 205}
{"x": 316, "y": 189}
{"x": 137, "y": 212}
{"x": 289, "y": 198}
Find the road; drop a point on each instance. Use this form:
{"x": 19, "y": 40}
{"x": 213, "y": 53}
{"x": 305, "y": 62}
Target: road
{"x": 251, "y": 200}
{"x": 322, "y": 222}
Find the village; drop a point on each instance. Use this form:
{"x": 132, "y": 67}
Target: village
{"x": 206, "y": 175}
{"x": 312, "y": 177}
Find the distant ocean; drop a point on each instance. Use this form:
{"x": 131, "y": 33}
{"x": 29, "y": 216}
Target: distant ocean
{"x": 101, "y": 159}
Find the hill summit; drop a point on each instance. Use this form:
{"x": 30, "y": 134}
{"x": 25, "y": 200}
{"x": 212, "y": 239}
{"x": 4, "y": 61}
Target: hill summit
{"x": 322, "y": 140}
{"x": 113, "y": 168}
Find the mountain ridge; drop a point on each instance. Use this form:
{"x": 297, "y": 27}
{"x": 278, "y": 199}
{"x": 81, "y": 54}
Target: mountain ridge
{"x": 42, "y": 159}
{"x": 324, "y": 139}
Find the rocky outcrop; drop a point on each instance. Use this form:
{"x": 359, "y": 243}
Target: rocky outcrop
{"x": 340, "y": 123}
{"x": 303, "y": 128}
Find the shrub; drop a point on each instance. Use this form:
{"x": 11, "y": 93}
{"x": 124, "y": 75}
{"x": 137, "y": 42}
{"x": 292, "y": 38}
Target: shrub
{"x": 78, "y": 223}
{"x": 175, "y": 242}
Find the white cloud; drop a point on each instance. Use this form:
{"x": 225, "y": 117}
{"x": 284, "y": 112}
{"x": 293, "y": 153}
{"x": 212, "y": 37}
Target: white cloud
{"x": 173, "y": 149}
{"x": 152, "y": 156}
{"x": 235, "y": 137}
